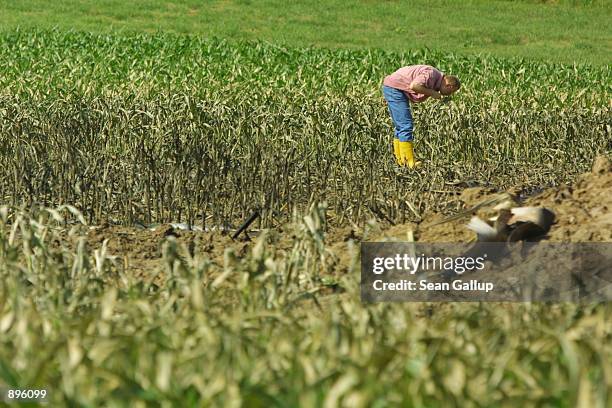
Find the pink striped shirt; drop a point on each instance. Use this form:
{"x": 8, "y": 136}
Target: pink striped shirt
{"x": 425, "y": 75}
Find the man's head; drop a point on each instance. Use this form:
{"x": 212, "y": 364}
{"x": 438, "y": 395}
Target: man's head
{"x": 450, "y": 84}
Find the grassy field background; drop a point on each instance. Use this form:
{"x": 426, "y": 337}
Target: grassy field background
{"x": 561, "y": 31}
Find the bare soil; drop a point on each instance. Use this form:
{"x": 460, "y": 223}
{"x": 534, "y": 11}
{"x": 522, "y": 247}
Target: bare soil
{"x": 582, "y": 211}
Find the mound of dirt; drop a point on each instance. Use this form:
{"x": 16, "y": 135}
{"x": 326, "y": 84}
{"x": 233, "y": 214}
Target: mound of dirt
{"x": 578, "y": 272}
{"x": 582, "y": 211}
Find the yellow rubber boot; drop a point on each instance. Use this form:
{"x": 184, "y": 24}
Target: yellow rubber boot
{"x": 396, "y": 150}
{"x": 407, "y": 155}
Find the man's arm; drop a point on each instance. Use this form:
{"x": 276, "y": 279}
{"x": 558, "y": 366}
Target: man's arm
{"x": 420, "y": 88}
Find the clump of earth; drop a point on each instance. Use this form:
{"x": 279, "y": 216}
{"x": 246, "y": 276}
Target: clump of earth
{"x": 582, "y": 211}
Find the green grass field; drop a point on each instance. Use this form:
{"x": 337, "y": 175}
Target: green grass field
{"x": 566, "y": 31}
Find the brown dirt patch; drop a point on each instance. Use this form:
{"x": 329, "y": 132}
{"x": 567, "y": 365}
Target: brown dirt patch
{"x": 583, "y": 211}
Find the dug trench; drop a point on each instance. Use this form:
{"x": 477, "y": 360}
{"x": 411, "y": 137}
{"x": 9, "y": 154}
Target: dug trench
{"x": 582, "y": 213}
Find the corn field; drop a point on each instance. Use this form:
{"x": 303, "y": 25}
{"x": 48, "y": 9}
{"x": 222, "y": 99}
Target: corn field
{"x": 171, "y": 128}
{"x": 150, "y": 129}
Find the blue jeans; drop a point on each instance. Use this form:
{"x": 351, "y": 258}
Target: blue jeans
{"x": 399, "y": 109}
